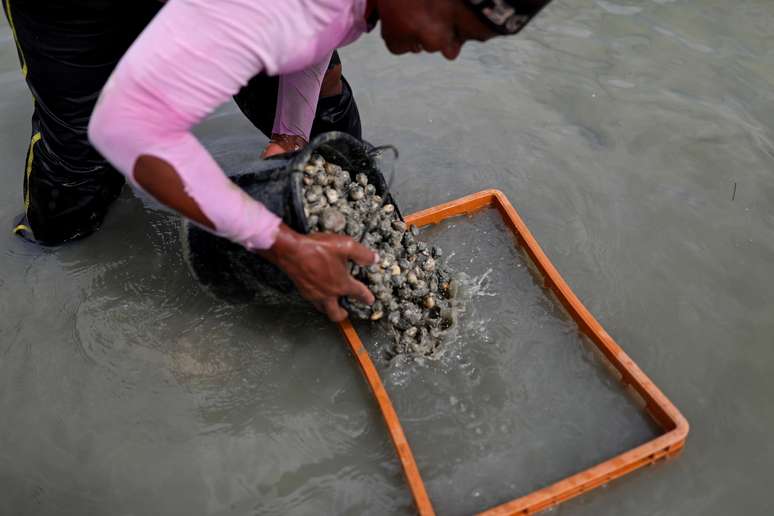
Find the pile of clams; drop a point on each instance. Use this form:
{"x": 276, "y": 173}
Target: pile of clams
{"x": 413, "y": 288}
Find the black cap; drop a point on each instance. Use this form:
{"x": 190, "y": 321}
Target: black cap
{"x": 507, "y": 16}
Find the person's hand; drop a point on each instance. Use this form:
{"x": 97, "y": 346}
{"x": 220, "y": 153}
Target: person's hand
{"x": 317, "y": 264}
{"x": 282, "y": 143}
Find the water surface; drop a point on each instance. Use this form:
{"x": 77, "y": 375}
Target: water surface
{"x": 618, "y": 129}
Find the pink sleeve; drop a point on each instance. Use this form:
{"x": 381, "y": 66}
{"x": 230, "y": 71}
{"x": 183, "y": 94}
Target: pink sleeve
{"x": 191, "y": 58}
{"x": 297, "y": 100}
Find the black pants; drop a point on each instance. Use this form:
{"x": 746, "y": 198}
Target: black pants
{"x": 67, "y": 50}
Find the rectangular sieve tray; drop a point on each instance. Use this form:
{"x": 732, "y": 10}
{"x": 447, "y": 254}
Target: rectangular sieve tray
{"x": 664, "y": 413}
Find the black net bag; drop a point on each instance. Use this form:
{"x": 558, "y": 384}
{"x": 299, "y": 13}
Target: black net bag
{"x": 233, "y": 274}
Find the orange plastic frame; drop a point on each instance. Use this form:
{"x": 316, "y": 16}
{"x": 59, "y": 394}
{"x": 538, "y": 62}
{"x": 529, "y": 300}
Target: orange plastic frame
{"x": 657, "y": 405}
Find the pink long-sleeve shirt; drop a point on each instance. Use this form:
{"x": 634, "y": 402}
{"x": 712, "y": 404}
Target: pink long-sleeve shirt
{"x": 192, "y": 58}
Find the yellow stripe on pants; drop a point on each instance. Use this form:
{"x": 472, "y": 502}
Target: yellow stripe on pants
{"x": 13, "y": 31}
{"x": 30, "y": 156}
{"x": 21, "y": 228}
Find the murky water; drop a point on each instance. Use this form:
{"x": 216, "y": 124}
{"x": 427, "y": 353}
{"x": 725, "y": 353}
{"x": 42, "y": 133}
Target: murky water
{"x": 617, "y": 129}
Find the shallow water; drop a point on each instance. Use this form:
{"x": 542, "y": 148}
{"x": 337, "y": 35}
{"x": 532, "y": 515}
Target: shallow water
{"x": 617, "y": 129}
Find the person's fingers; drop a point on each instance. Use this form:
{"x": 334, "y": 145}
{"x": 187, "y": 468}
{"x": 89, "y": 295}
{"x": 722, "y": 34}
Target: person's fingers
{"x": 333, "y": 310}
{"x": 359, "y": 291}
{"x": 360, "y": 254}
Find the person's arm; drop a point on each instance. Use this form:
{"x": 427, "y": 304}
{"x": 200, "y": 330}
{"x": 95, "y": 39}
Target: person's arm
{"x": 297, "y": 98}
{"x": 190, "y": 59}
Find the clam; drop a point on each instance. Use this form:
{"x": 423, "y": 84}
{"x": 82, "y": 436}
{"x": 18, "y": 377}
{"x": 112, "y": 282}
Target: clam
{"x": 452, "y": 289}
{"x": 316, "y": 208}
{"x": 312, "y": 197}
{"x": 387, "y": 260}
{"x": 356, "y": 193}
{"x": 399, "y": 225}
{"x": 332, "y": 195}
{"x": 332, "y": 168}
{"x": 333, "y": 220}
{"x": 354, "y": 228}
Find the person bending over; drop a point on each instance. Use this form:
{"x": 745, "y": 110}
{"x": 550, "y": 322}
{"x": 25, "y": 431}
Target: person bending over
{"x": 195, "y": 54}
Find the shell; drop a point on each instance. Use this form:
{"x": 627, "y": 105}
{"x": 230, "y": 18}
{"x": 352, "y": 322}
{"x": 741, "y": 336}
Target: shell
{"x": 452, "y": 289}
{"x": 333, "y": 220}
{"x": 399, "y": 225}
{"x": 354, "y": 228}
{"x": 321, "y": 178}
{"x": 356, "y": 193}
{"x": 316, "y": 207}
{"x": 332, "y": 195}
{"x": 332, "y": 168}
{"x": 312, "y": 197}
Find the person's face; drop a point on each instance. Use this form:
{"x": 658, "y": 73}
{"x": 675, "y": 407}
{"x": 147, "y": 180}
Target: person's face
{"x": 430, "y": 25}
